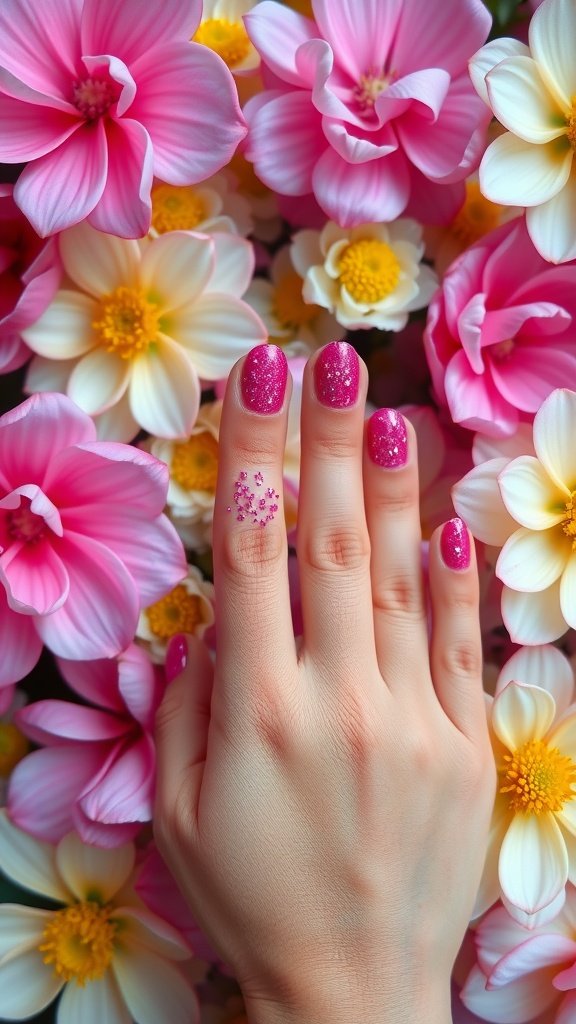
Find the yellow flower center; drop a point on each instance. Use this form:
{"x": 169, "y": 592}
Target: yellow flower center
{"x": 79, "y": 942}
{"x": 538, "y": 778}
{"x": 227, "y": 38}
{"x": 571, "y": 123}
{"x": 476, "y": 217}
{"x": 569, "y": 524}
{"x": 127, "y": 323}
{"x": 369, "y": 270}
{"x": 178, "y": 612}
{"x": 176, "y": 208}
{"x": 194, "y": 463}
{"x": 13, "y": 747}
{"x": 288, "y": 305}
{"x": 369, "y": 88}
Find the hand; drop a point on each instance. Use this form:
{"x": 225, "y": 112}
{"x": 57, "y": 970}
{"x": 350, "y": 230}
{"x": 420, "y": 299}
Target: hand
{"x": 325, "y": 808}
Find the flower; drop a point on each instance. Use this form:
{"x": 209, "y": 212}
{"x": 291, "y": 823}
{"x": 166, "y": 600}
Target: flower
{"x": 368, "y": 276}
{"x": 13, "y": 744}
{"x": 212, "y": 206}
{"x": 98, "y": 99}
{"x": 501, "y": 332}
{"x": 110, "y": 958}
{"x": 531, "y": 90}
{"x": 95, "y": 774}
{"x": 188, "y": 608}
{"x": 365, "y": 105}
{"x": 147, "y": 320}
{"x": 222, "y": 30}
{"x": 533, "y": 832}
{"x": 83, "y": 542}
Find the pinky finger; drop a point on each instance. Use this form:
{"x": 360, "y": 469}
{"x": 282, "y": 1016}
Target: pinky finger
{"x": 456, "y": 646}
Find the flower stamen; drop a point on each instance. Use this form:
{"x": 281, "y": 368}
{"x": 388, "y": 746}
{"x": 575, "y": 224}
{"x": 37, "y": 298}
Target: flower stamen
{"x": 569, "y": 523}
{"x": 369, "y": 270}
{"x": 128, "y": 322}
{"x": 288, "y": 306}
{"x": 370, "y": 86}
{"x": 228, "y": 39}
{"x": 176, "y": 208}
{"x": 93, "y": 96}
{"x": 178, "y": 612}
{"x": 194, "y": 463}
{"x": 571, "y": 123}
{"x": 538, "y": 778}
{"x": 79, "y": 942}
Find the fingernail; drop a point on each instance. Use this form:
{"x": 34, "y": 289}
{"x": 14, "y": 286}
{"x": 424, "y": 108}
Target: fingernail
{"x": 455, "y": 544}
{"x": 387, "y": 439}
{"x": 336, "y": 375}
{"x": 176, "y": 657}
{"x": 264, "y": 377}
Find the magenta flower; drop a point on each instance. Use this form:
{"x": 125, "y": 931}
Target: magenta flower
{"x": 96, "y": 773}
{"x": 100, "y": 96}
{"x": 84, "y": 545}
{"x": 370, "y": 106}
{"x": 501, "y": 332}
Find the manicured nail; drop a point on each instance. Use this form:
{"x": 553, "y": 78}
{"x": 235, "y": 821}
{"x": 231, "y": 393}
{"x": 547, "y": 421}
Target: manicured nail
{"x": 336, "y": 375}
{"x": 264, "y": 377}
{"x": 387, "y": 439}
{"x": 176, "y": 657}
{"x": 455, "y": 544}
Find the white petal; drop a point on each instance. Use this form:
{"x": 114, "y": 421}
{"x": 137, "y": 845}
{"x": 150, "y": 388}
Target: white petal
{"x": 522, "y": 103}
{"x": 531, "y": 560}
{"x": 176, "y": 268}
{"x": 519, "y": 443}
{"x": 478, "y": 502}
{"x": 233, "y": 267}
{"x": 143, "y": 928}
{"x": 533, "y": 618}
{"x": 98, "y": 1002}
{"x": 541, "y": 917}
{"x": 489, "y": 888}
{"x": 216, "y": 331}
{"x": 552, "y": 33}
{"x": 117, "y": 423}
{"x": 27, "y": 986}
{"x": 568, "y": 591}
{"x": 154, "y": 989}
{"x": 533, "y": 861}
{"x": 64, "y": 331}
{"x": 521, "y": 713}
{"x": 97, "y": 262}
{"x": 98, "y": 380}
{"x": 517, "y": 1002}
{"x": 21, "y": 927}
{"x": 518, "y": 173}
{"x": 552, "y": 226}
{"x": 164, "y": 391}
{"x": 545, "y": 666}
{"x": 488, "y": 56}
{"x": 554, "y": 432}
{"x": 305, "y": 251}
{"x": 531, "y": 497}
{"x": 563, "y": 735}
{"x": 29, "y": 862}
{"x": 90, "y": 869}
{"x": 48, "y": 374}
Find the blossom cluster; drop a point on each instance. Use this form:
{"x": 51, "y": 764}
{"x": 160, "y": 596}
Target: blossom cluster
{"x": 181, "y": 181}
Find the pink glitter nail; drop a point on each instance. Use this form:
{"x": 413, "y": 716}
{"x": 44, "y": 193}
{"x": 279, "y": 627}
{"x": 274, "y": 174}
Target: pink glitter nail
{"x": 455, "y": 544}
{"x": 386, "y": 439}
{"x": 259, "y": 509}
{"x": 263, "y": 381}
{"x": 337, "y": 375}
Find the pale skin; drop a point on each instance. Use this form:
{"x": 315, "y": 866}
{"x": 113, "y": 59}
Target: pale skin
{"x": 324, "y": 804}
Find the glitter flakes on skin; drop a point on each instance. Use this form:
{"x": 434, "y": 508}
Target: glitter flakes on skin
{"x": 259, "y": 508}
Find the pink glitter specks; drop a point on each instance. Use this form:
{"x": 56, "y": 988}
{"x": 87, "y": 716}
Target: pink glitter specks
{"x": 259, "y": 508}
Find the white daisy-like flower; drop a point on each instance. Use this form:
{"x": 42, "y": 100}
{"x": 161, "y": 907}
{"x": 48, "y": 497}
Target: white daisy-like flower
{"x": 188, "y": 608}
{"x": 107, "y": 956}
{"x": 213, "y": 205}
{"x": 222, "y": 30}
{"x": 367, "y": 276}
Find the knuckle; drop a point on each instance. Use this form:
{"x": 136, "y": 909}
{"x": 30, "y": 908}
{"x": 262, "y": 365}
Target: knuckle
{"x": 398, "y": 594}
{"x": 275, "y": 720}
{"x": 461, "y": 659}
{"x": 257, "y": 448}
{"x": 359, "y": 730}
{"x": 329, "y": 550}
{"x": 337, "y": 444}
{"x": 400, "y": 501}
{"x": 253, "y": 553}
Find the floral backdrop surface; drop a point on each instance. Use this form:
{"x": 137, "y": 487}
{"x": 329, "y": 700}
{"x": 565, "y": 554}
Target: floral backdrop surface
{"x": 396, "y": 172}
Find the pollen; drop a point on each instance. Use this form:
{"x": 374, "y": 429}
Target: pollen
{"x": 13, "y": 747}
{"x": 178, "y": 612}
{"x": 569, "y": 523}
{"x": 288, "y": 306}
{"x": 24, "y": 525}
{"x": 228, "y": 39}
{"x": 476, "y": 217}
{"x": 571, "y": 123}
{"x": 537, "y": 778}
{"x": 369, "y": 88}
{"x": 79, "y": 942}
{"x": 127, "y": 323}
{"x": 93, "y": 96}
{"x": 176, "y": 208}
{"x": 369, "y": 270}
{"x": 194, "y": 463}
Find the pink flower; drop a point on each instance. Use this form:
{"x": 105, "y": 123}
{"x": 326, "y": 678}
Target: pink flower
{"x": 96, "y": 773}
{"x": 99, "y": 97}
{"x": 364, "y": 105}
{"x": 29, "y": 278}
{"x": 500, "y": 334}
{"x": 83, "y": 541}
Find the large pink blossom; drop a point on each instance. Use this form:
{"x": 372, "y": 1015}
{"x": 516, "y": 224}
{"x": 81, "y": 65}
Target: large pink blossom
{"x": 29, "y": 277}
{"x": 100, "y": 96}
{"x": 95, "y": 774}
{"x": 501, "y": 332}
{"x": 369, "y": 106}
{"x": 83, "y": 541}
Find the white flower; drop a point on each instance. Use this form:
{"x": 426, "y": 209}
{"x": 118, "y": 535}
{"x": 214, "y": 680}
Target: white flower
{"x": 110, "y": 958}
{"x": 188, "y": 608}
{"x": 212, "y": 206}
{"x": 368, "y": 276}
{"x": 222, "y": 30}
{"x": 532, "y": 92}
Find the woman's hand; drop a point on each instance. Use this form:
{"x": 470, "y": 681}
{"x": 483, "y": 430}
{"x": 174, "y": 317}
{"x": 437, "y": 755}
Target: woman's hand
{"x": 324, "y": 806}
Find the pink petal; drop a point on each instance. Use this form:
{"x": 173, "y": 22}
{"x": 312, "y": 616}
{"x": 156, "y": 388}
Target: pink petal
{"x": 532, "y": 955}
{"x": 519, "y": 1001}
{"x": 445, "y": 36}
{"x": 124, "y": 793}
{"x": 531, "y": 318}
{"x": 140, "y": 685}
{"x": 43, "y": 49}
{"x": 132, "y": 30}
{"x": 511, "y": 260}
{"x": 427, "y": 93}
{"x": 41, "y": 280}
{"x": 125, "y": 206}
{"x": 567, "y": 1009}
{"x": 106, "y": 836}
{"x": 96, "y": 681}
{"x": 357, "y": 150}
{"x": 108, "y": 67}
{"x": 29, "y": 131}
{"x": 99, "y": 618}
{"x": 431, "y": 202}
{"x": 188, "y": 103}
{"x": 474, "y": 401}
{"x": 359, "y": 34}
{"x": 438, "y": 147}
{"x": 63, "y": 187}
{"x": 277, "y": 32}
{"x": 110, "y": 474}
{"x": 19, "y": 643}
{"x": 47, "y": 722}
{"x": 470, "y": 323}
{"x": 285, "y": 141}
{"x": 34, "y": 577}
{"x": 529, "y": 373}
{"x": 354, "y": 194}
{"x": 13, "y": 353}
{"x": 34, "y": 432}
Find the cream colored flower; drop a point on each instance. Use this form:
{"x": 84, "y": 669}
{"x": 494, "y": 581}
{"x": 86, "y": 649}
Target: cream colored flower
{"x": 222, "y": 30}
{"x": 188, "y": 608}
{"x": 214, "y": 205}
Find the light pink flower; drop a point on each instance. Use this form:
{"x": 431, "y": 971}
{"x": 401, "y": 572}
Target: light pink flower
{"x": 96, "y": 773}
{"x": 83, "y": 541}
{"x": 364, "y": 105}
{"x": 501, "y": 332}
{"x": 98, "y": 97}
{"x": 29, "y": 278}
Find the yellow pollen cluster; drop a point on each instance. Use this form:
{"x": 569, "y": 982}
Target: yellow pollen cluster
{"x": 369, "y": 88}
{"x": 369, "y": 270}
{"x": 476, "y": 217}
{"x": 178, "y": 612}
{"x": 569, "y": 524}
{"x": 538, "y": 778}
{"x": 176, "y": 208}
{"x": 79, "y": 942}
{"x": 227, "y": 38}
{"x": 13, "y": 747}
{"x": 127, "y": 322}
{"x": 288, "y": 306}
{"x": 571, "y": 123}
{"x": 248, "y": 182}
{"x": 194, "y": 463}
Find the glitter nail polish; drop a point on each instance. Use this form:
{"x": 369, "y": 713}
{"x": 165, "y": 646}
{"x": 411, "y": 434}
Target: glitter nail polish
{"x": 337, "y": 375}
{"x": 386, "y": 439}
{"x": 264, "y": 377}
{"x": 455, "y": 544}
{"x": 176, "y": 657}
